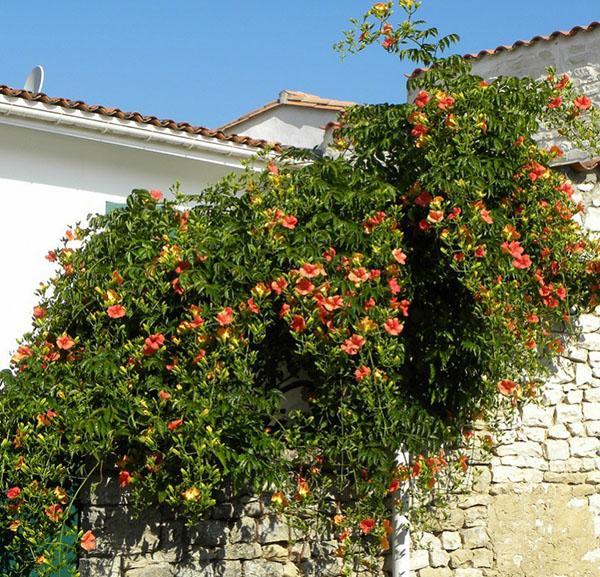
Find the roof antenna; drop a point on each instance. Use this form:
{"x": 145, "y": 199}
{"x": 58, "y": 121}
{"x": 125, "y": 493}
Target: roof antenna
{"x": 35, "y": 80}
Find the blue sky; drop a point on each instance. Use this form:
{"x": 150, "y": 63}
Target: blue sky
{"x": 208, "y": 62}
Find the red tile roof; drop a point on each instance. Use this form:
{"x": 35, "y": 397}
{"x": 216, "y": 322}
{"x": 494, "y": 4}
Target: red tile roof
{"x": 136, "y": 117}
{"x": 519, "y": 43}
{"x": 293, "y": 98}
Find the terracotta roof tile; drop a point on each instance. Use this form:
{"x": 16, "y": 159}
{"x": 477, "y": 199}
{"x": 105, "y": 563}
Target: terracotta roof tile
{"x": 136, "y": 117}
{"x": 293, "y": 98}
{"x": 519, "y": 43}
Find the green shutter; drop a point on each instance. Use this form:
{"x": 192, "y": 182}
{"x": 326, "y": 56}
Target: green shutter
{"x": 110, "y": 206}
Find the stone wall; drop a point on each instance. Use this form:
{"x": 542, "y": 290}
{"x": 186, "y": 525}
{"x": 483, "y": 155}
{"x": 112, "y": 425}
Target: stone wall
{"x": 535, "y": 506}
{"x": 241, "y": 539}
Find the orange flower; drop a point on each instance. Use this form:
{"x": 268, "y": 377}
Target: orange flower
{"x": 361, "y": 373}
{"x": 424, "y": 199}
{"x": 399, "y": 256}
{"x": 272, "y": 168}
{"x": 297, "y": 324}
{"x": 582, "y": 103}
{"x": 54, "y": 512}
{"x": 125, "y": 479}
{"x": 446, "y": 102}
{"x": 174, "y": 425}
{"x": 302, "y": 489}
{"x": 14, "y": 525}
{"x": 304, "y": 287}
{"x": 279, "y": 499}
{"x": 358, "y": 275}
{"x": 485, "y": 216}
{"x": 393, "y": 327}
{"x": 353, "y": 345}
{"x": 13, "y": 493}
{"x": 225, "y": 317}
{"x": 152, "y": 344}
{"x": 344, "y": 535}
{"x": 309, "y": 270}
{"x": 367, "y": 525}
{"x": 191, "y": 494}
{"x": 23, "y": 352}
{"x": 289, "y": 222}
{"x": 65, "y": 342}
{"x": 435, "y": 216}
{"x": 116, "y": 312}
{"x": 522, "y": 262}
{"x": 555, "y": 102}
{"x": 156, "y": 194}
{"x": 506, "y": 387}
{"x": 252, "y": 306}
{"x": 61, "y": 495}
{"x": 88, "y": 541}
{"x": 279, "y": 285}
{"x": 422, "y": 99}
{"x": 480, "y": 251}
{"x": 39, "y": 312}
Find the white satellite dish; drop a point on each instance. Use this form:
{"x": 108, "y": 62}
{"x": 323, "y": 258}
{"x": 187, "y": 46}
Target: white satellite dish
{"x": 35, "y": 80}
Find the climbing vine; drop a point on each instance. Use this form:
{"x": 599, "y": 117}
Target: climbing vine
{"x": 417, "y": 281}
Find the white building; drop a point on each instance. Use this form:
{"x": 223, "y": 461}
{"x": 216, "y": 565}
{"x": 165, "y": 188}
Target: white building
{"x": 62, "y": 160}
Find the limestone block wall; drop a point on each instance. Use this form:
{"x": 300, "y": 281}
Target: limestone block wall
{"x": 535, "y": 506}
{"x": 243, "y": 538}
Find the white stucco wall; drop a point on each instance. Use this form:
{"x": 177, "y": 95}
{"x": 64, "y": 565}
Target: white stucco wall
{"x": 50, "y": 181}
{"x": 290, "y": 125}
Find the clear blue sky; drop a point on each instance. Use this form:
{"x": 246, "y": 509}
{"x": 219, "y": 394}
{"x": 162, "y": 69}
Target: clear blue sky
{"x": 208, "y": 62}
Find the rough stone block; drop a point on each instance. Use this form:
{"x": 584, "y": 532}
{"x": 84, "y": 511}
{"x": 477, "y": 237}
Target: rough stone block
{"x": 241, "y": 551}
{"x": 475, "y": 516}
{"x": 556, "y": 450}
{"x": 524, "y": 448}
{"x": 276, "y": 553}
{"x": 438, "y": 558}
{"x": 291, "y": 570}
{"x": 244, "y": 530}
{"x": 475, "y": 537}
{"x": 209, "y": 533}
{"x": 152, "y": 570}
{"x": 430, "y": 572}
{"x": 94, "y": 566}
{"x": 228, "y": 569}
{"x": 583, "y": 374}
{"x": 536, "y": 416}
{"x": 592, "y": 395}
{"x": 584, "y": 446}
{"x": 272, "y": 529}
{"x": 253, "y": 508}
{"x": 451, "y": 540}
{"x": 575, "y": 397}
{"x": 483, "y": 558}
{"x": 558, "y": 432}
{"x": 464, "y": 572}
{"x": 576, "y": 354}
{"x": 591, "y": 411}
{"x": 591, "y": 341}
{"x": 460, "y": 557}
{"x": 419, "y": 559}
{"x": 568, "y": 413}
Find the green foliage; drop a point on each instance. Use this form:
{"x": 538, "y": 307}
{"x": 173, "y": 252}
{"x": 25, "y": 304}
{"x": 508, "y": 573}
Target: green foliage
{"x": 407, "y": 283}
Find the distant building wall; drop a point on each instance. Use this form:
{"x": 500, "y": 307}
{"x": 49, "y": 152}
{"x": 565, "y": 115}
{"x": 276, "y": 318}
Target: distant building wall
{"x": 50, "y": 181}
{"x": 299, "y": 126}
